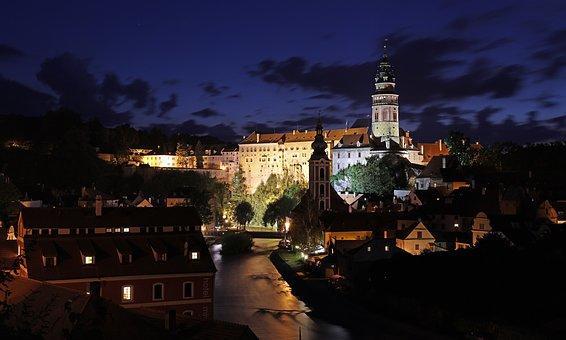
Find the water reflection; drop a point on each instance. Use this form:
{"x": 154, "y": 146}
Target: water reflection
{"x": 250, "y": 290}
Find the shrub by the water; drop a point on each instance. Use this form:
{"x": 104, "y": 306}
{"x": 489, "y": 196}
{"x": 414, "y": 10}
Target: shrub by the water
{"x": 236, "y": 243}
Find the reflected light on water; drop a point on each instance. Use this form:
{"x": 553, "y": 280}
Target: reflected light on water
{"x": 249, "y": 290}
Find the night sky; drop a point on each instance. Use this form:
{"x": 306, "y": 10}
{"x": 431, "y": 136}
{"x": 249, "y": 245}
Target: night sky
{"x": 494, "y": 69}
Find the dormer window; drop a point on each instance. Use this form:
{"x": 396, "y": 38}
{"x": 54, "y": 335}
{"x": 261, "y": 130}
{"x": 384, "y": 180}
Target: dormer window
{"x": 49, "y": 261}
{"x": 195, "y": 255}
{"x": 88, "y": 260}
{"x": 159, "y": 250}
{"x": 162, "y": 257}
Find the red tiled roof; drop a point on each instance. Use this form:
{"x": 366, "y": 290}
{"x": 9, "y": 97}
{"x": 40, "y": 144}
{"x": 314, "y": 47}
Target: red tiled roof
{"x": 105, "y": 249}
{"x": 119, "y": 217}
{"x": 301, "y": 136}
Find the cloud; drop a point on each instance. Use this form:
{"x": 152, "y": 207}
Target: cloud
{"x": 552, "y": 55}
{"x": 111, "y": 101}
{"x": 167, "y": 105}
{"x": 9, "y": 52}
{"x": 172, "y": 81}
{"x": 436, "y": 121}
{"x": 322, "y": 96}
{"x": 221, "y": 131}
{"x": 16, "y": 98}
{"x": 463, "y": 23}
{"x": 205, "y": 113}
{"x": 234, "y": 96}
{"x": 425, "y": 73}
{"x": 211, "y": 89}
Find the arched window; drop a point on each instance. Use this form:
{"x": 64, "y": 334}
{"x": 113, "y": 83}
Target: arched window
{"x": 321, "y": 172}
{"x": 322, "y": 205}
{"x": 321, "y": 190}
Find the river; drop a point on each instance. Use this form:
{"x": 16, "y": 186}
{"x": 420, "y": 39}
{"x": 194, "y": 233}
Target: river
{"x": 249, "y": 290}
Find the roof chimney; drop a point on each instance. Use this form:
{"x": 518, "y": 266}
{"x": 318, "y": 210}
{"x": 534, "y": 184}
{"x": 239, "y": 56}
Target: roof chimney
{"x": 443, "y": 162}
{"x": 170, "y": 320}
{"x": 257, "y": 138}
{"x": 98, "y": 205}
{"x": 440, "y": 144}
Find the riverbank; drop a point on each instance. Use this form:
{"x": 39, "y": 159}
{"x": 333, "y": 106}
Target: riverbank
{"x": 335, "y": 308}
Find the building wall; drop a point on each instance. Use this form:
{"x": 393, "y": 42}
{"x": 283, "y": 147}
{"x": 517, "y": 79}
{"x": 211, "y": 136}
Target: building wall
{"x": 414, "y": 244}
{"x": 201, "y": 303}
{"x": 346, "y": 235}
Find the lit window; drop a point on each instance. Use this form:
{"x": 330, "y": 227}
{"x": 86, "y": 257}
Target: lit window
{"x": 108, "y": 230}
{"x": 116, "y": 230}
{"x": 187, "y": 290}
{"x": 127, "y": 293}
{"x": 89, "y": 259}
{"x": 194, "y": 255}
{"x": 126, "y": 230}
{"x": 456, "y": 225}
{"x": 386, "y": 248}
{"x": 369, "y": 249}
{"x": 158, "y": 291}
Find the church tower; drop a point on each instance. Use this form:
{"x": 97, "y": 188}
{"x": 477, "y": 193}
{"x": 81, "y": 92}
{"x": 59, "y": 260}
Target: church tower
{"x": 385, "y": 103}
{"x": 319, "y": 170}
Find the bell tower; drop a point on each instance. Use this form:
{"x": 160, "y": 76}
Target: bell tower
{"x": 385, "y": 103}
{"x": 319, "y": 170}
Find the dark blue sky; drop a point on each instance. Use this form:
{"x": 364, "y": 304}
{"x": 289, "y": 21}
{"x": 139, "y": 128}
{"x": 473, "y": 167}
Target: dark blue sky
{"x": 495, "y": 69}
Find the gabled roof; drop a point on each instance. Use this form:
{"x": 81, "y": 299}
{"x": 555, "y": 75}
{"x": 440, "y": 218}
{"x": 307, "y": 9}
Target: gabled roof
{"x": 356, "y": 221}
{"x": 300, "y": 136}
{"x": 70, "y": 266}
{"x": 374, "y": 250}
{"x": 119, "y": 217}
{"x": 353, "y": 141}
{"x": 435, "y": 169}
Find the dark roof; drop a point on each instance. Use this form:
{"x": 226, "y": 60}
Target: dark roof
{"x": 376, "y": 251}
{"x": 123, "y": 217}
{"x": 8, "y": 253}
{"x": 351, "y": 141}
{"x": 356, "y": 221}
{"x": 389, "y": 146}
{"x": 105, "y": 249}
{"x": 361, "y": 122}
{"x": 434, "y": 168}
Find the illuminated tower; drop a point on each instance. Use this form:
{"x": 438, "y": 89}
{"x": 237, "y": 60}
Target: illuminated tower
{"x": 385, "y": 103}
{"x": 319, "y": 170}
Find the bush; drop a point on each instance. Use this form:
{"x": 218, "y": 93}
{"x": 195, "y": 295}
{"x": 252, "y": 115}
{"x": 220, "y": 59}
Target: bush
{"x": 236, "y": 243}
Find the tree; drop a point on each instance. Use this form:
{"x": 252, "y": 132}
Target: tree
{"x": 379, "y": 176}
{"x": 459, "y": 146}
{"x": 9, "y": 196}
{"x": 199, "y": 155}
{"x": 236, "y": 243}
{"x": 182, "y": 154}
{"x": 238, "y": 188}
{"x": 280, "y": 208}
{"x": 306, "y": 229}
{"x": 244, "y": 213}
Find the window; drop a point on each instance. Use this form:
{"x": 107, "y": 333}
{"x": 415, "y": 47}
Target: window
{"x": 369, "y": 248}
{"x": 50, "y": 261}
{"x": 419, "y": 234}
{"x": 321, "y": 190}
{"x": 89, "y": 260}
{"x": 187, "y": 290}
{"x": 386, "y": 248}
{"x": 417, "y": 246}
{"x": 116, "y": 230}
{"x": 194, "y": 255}
{"x": 127, "y": 293}
{"x": 321, "y": 172}
{"x": 188, "y": 313}
{"x": 126, "y": 230}
{"x": 158, "y": 291}
{"x": 456, "y": 225}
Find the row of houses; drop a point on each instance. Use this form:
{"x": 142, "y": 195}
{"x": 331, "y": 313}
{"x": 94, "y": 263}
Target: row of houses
{"x": 152, "y": 258}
